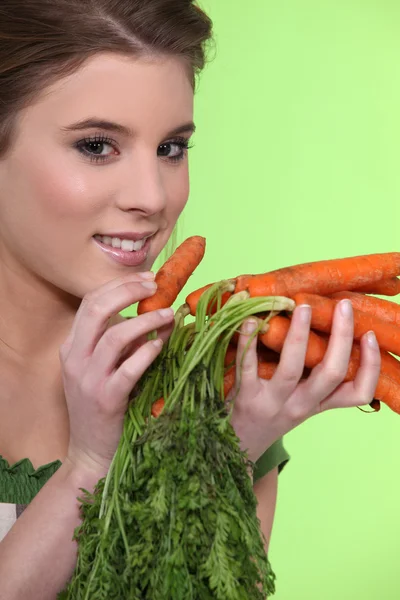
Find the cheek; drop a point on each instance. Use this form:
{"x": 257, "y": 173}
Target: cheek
{"x": 178, "y": 193}
{"x": 62, "y": 189}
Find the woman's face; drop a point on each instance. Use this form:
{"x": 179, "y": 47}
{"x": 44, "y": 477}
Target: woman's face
{"x": 101, "y": 153}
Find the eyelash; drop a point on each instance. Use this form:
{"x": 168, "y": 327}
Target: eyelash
{"x": 81, "y": 146}
{"x": 183, "y": 143}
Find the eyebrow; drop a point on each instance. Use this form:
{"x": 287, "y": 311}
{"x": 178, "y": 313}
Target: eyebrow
{"x": 94, "y": 123}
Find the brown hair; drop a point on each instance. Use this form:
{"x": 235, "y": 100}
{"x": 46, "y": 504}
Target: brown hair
{"x": 44, "y": 40}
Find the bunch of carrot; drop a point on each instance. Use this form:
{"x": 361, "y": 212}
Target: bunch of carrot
{"x": 321, "y": 284}
{"x": 175, "y": 517}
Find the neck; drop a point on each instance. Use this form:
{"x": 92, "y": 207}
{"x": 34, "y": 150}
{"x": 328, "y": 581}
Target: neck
{"x": 35, "y": 317}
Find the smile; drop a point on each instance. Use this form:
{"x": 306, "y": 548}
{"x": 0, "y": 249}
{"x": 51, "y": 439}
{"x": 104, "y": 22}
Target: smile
{"x": 129, "y": 249}
{"x": 121, "y": 243}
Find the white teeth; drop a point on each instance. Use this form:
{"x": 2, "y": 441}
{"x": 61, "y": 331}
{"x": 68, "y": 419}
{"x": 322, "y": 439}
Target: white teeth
{"x": 127, "y": 245}
{"x": 139, "y": 244}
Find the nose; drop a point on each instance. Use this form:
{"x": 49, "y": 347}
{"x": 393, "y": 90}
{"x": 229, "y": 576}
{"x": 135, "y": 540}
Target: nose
{"x": 144, "y": 185}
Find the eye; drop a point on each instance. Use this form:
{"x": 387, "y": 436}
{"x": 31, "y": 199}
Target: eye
{"x": 174, "y": 150}
{"x": 97, "y": 148}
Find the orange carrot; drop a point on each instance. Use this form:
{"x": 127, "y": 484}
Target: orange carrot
{"x": 277, "y": 330}
{"x": 388, "y": 388}
{"x": 265, "y": 371}
{"x": 390, "y": 366}
{"x": 377, "y": 307}
{"x": 229, "y": 380}
{"x": 387, "y": 334}
{"x": 386, "y": 287}
{"x": 158, "y": 407}
{"x": 388, "y": 391}
{"x": 323, "y": 277}
{"x": 192, "y": 299}
{"x": 375, "y": 405}
{"x": 263, "y": 354}
{"x": 173, "y": 275}
{"x": 230, "y": 356}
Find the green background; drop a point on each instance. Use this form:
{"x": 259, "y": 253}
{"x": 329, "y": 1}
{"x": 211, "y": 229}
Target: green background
{"x": 296, "y": 159}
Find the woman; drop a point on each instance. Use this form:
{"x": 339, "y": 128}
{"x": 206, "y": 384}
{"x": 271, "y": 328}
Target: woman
{"x": 96, "y": 114}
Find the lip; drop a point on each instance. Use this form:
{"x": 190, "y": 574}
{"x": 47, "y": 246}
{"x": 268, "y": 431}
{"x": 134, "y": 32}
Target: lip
{"x": 124, "y": 257}
{"x": 129, "y": 235}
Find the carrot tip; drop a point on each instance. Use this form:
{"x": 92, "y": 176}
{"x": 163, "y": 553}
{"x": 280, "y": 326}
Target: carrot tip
{"x": 244, "y": 295}
{"x": 184, "y": 310}
{"x": 375, "y": 405}
{"x": 230, "y": 285}
{"x": 263, "y": 325}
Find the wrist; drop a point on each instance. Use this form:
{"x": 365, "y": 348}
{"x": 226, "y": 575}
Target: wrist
{"x": 83, "y": 460}
{"x": 82, "y": 474}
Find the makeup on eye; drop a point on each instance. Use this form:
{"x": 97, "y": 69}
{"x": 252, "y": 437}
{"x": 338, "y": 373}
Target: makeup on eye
{"x": 93, "y": 147}
{"x": 181, "y": 145}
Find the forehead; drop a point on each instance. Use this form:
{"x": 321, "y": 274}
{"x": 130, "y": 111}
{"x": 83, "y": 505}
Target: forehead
{"x": 154, "y": 90}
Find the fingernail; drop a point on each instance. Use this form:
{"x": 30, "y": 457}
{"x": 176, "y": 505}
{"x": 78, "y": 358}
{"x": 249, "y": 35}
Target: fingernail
{"x": 250, "y": 326}
{"x": 151, "y": 285}
{"x": 371, "y": 339}
{"x": 158, "y": 343}
{"x": 147, "y": 275}
{"x": 346, "y": 308}
{"x": 305, "y": 313}
{"x": 166, "y": 312}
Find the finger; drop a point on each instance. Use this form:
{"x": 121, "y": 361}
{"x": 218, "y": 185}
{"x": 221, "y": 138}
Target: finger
{"x": 246, "y": 361}
{"x": 361, "y": 391}
{"x": 104, "y": 289}
{"x": 332, "y": 370}
{"x": 96, "y": 313}
{"x": 291, "y": 365}
{"x": 163, "y": 333}
{"x": 115, "y": 340}
{"x": 121, "y": 384}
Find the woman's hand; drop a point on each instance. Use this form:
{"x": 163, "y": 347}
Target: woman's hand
{"x": 98, "y": 371}
{"x": 264, "y": 411}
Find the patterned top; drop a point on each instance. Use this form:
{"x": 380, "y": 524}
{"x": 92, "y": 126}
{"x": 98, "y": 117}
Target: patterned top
{"x": 19, "y": 483}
